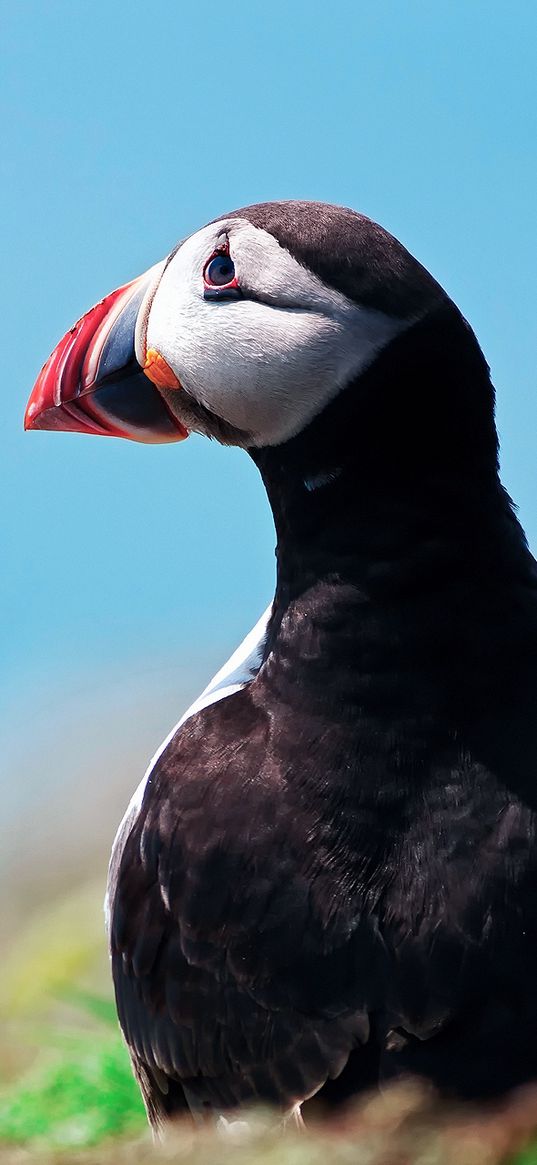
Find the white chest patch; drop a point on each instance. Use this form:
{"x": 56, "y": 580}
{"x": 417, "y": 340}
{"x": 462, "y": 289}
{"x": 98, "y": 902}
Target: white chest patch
{"x": 240, "y": 669}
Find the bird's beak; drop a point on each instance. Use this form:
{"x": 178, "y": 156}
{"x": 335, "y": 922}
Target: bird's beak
{"x": 100, "y": 379}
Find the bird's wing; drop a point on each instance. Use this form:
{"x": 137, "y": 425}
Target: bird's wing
{"x": 234, "y": 973}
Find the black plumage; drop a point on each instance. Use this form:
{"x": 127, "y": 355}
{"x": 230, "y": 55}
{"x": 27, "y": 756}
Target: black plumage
{"x": 332, "y": 877}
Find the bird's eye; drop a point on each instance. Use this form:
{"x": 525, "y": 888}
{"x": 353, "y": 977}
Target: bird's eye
{"x": 219, "y": 275}
{"x": 220, "y": 270}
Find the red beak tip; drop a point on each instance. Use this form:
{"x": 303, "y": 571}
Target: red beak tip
{"x": 30, "y": 415}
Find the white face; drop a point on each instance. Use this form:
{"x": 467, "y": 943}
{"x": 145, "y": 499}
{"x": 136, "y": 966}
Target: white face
{"x": 269, "y": 361}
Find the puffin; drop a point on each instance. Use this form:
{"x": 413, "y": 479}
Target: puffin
{"x": 327, "y": 879}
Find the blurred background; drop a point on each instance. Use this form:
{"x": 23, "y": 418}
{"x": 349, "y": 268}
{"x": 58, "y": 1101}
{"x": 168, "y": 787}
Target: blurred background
{"x": 130, "y": 572}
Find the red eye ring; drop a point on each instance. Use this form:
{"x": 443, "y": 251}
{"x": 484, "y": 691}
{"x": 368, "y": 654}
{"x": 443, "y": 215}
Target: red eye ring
{"x": 219, "y": 276}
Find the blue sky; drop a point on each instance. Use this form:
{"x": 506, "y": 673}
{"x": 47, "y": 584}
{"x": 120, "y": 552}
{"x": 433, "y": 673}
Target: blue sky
{"x": 125, "y": 125}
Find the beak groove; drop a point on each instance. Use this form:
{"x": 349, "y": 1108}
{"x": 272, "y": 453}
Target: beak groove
{"x": 93, "y": 382}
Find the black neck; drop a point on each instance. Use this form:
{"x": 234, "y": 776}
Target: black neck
{"x": 408, "y": 450}
{"x": 389, "y": 510}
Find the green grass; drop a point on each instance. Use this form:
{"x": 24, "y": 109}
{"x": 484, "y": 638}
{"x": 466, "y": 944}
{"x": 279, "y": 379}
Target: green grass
{"x": 74, "y": 1099}
{"x": 71, "y": 1082}
{"x": 527, "y": 1156}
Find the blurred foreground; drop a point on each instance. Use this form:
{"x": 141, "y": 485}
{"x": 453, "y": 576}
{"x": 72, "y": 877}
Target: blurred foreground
{"x": 67, "y": 1093}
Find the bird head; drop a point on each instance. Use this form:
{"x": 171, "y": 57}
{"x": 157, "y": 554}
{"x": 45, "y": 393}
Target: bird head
{"x": 246, "y": 332}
